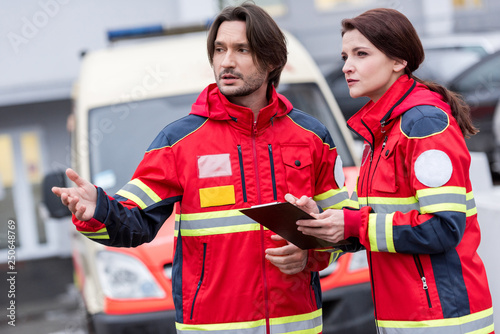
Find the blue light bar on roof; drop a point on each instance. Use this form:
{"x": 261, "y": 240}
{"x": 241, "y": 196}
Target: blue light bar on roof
{"x": 154, "y": 30}
{"x": 157, "y": 30}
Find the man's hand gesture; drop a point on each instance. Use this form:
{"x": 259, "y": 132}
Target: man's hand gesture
{"x": 80, "y": 200}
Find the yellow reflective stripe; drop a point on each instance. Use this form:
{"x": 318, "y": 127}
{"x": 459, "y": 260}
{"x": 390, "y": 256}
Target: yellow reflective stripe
{"x": 442, "y": 199}
{"x": 429, "y": 200}
{"x": 471, "y": 204}
{"x": 372, "y": 232}
{"x": 219, "y": 230}
{"x": 100, "y": 234}
{"x": 215, "y": 222}
{"x": 350, "y": 204}
{"x": 389, "y": 200}
{"x": 443, "y": 207}
{"x": 221, "y": 327}
{"x": 335, "y": 256}
{"x": 296, "y": 318}
{"x": 389, "y": 236}
{"x": 138, "y": 192}
{"x": 299, "y": 324}
{"x": 380, "y": 232}
{"x": 333, "y": 199}
{"x": 211, "y": 214}
{"x": 354, "y": 200}
{"x": 102, "y": 230}
{"x": 132, "y": 197}
{"x": 485, "y": 330}
{"x": 390, "y": 204}
{"x": 146, "y": 189}
{"x": 100, "y": 237}
{"x": 482, "y": 322}
{"x": 471, "y": 212}
{"x": 440, "y": 191}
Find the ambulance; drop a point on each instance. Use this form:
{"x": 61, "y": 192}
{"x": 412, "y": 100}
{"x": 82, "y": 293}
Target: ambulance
{"x": 125, "y": 94}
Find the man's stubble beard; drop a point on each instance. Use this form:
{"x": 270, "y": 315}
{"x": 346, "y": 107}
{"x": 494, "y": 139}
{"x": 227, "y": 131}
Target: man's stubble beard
{"x": 251, "y": 85}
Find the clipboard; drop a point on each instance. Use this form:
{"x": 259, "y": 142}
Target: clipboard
{"x": 281, "y": 218}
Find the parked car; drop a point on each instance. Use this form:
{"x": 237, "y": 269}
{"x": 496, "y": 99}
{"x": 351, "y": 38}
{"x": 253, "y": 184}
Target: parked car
{"x": 124, "y": 96}
{"x": 495, "y": 166}
{"x": 445, "y": 57}
{"x": 480, "y": 86}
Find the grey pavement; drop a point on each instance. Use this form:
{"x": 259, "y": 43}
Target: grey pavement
{"x": 46, "y": 300}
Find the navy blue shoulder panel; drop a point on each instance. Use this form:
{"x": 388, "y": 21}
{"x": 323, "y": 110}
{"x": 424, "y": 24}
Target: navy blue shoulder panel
{"x": 424, "y": 121}
{"x": 310, "y": 123}
{"x": 177, "y": 130}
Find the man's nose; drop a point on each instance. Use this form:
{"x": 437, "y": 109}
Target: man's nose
{"x": 228, "y": 60}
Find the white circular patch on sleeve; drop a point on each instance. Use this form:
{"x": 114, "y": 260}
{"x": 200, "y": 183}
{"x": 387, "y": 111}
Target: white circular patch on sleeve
{"x": 339, "y": 172}
{"x": 433, "y": 168}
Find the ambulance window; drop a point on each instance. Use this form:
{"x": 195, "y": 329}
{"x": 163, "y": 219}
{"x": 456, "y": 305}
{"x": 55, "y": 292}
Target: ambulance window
{"x": 308, "y": 98}
{"x": 120, "y": 134}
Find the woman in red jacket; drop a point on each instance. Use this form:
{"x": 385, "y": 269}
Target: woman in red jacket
{"x": 417, "y": 217}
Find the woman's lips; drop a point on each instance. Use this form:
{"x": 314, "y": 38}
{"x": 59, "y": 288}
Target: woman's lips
{"x": 351, "y": 82}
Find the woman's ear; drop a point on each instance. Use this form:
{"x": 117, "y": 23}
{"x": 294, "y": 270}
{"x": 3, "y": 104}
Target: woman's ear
{"x": 399, "y": 65}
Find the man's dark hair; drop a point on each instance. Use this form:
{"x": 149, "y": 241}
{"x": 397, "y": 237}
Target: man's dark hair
{"x": 267, "y": 42}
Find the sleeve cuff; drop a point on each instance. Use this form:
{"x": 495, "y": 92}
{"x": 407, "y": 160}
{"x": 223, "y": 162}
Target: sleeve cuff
{"x": 101, "y": 209}
{"x": 317, "y": 260}
{"x": 352, "y": 223}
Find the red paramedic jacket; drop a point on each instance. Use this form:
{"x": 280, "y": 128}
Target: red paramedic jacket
{"x": 418, "y": 219}
{"x": 210, "y": 164}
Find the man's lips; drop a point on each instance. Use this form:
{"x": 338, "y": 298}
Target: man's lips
{"x": 228, "y": 79}
{"x": 229, "y": 76}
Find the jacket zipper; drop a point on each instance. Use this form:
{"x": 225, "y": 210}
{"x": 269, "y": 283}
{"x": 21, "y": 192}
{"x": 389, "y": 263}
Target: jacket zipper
{"x": 372, "y": 282}
{"x": 264, "y": 278}
{"x": 378, "y": 160}
{"x": 273, "y": 176}
{"x": 256, "y": 168}
{"x": 259, "y": 201}
{"x": 420, "y": 269}
{"x": 201, "y": 279}
{"x": 242, "y": 172}
{"x": 312, "y": 292}
{"x": 366, "y": 174}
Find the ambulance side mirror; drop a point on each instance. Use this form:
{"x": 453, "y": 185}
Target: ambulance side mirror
{"x": 52, "y": 202}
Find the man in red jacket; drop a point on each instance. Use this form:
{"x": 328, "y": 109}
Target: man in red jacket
{"x": 242, "y": 144}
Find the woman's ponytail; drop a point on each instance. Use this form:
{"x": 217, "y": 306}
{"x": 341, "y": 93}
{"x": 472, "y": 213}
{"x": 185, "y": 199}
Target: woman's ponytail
{"x": 459, "y": 108}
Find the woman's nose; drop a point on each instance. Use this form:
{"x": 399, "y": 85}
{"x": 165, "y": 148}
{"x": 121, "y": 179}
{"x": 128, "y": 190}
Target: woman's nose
{"x": 347, "y": 66}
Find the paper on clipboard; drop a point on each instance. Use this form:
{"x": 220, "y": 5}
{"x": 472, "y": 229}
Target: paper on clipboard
{"x": 281, "y": 218}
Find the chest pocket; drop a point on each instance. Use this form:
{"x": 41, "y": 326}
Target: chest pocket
{"x": 385, "y": 175}
{"x": 298, "y": 169}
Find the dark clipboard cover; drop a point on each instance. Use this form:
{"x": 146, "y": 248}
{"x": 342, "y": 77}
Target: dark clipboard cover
{"x": 281, "y": 218}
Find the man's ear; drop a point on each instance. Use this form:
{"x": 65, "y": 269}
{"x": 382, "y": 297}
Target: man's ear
{"x": 399, "y": 65}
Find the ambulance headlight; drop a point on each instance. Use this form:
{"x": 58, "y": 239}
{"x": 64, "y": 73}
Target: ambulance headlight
{"x": 124, "y": 277}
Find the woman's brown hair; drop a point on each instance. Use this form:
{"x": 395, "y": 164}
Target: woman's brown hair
{"x": 267, "y": 42}
{"x": 392, "y": 33}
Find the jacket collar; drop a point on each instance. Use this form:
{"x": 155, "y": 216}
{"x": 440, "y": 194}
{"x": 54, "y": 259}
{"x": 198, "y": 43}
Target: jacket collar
{"x": 213, "y": 104}
{"x": 371, "y": 121}
{"x": 374, "y": 119}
